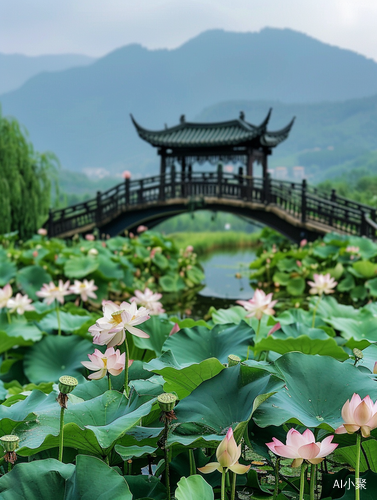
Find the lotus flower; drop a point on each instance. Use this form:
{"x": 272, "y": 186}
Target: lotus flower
{"x": 141, "y": 229}
{"x": 42, "y": 231}
{"x": 302, "y": 447}
{"x": 323, "y": 283}
{"x": 260, "y": 304}
{"x": 354, "y": 250}
{"x": 50, "y": 292}
{"x": 227, "y": 454}
{"x": 358, "y": 414}
{"x": 85, "y": 289}
{"x": 174, "y": 330}
{"x": 112, "y": 361}
{"x": 5, "y": 294}
{"x": 110, "y": 329}
{"x": 90, "y": 237}
{"x": 274, "y": 329}
{"x": 149, "y": 300}
{"x": 20, "y": 303}
{"x": 126, "y": 174}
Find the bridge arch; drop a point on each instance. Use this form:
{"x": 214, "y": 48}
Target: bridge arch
{"x": 296, "y": 210}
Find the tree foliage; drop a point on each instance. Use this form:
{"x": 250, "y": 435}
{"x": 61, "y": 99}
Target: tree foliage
{"x": 25, "y": 181}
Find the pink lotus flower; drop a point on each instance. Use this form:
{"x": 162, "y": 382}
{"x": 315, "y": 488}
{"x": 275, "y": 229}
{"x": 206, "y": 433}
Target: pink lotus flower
{"x": 90, "y": 237}
{"x": 302, "y": 447}
{"x": 260, "y": 304}
{"x": 50, "y": 292}
{"x": 227, "y": 454}
{"x": 149, "y": 300}
{"x": 5, "y": 294}
{"x": 299, "y": 263}
{"x": 112, "y": 361}
{"x": 110, "y": 329}
{"x": 141, "y": 229}
{"x": 20, "y": 303}
{"x": 323, "y": 283}
{"x": 42, "y": 231}
{"x": 85, "y": 289}
{"x": 358, "y": 414}
{"x": 354, "y": 250}
{"x": 303, "y": 243}
{"x": 35, "y": 253}
{"x": 189, "y": 249}
{"x": 126, "y": 174}
{"x": 174, "y": 330}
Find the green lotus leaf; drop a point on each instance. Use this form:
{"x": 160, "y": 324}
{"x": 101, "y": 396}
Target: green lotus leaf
{"x": 8, "y": 271}
{"x": 129, "y": 452}
{"x": 17, "y": 333}
{"x": 69, "y": 323}
{"x": 369, "y": 357}
{"x": 228, "y": 399}
{"x": 172, "y": 283}
{"x": 31, "y": 279}
{"x": 161, "y": 261}
{"x": 298, "y": 337}
{"x": 348, "y": 454}
{"x": 183, "y": 379}
{"x": 189, "y": 322}
{"x": 193, "y": 487}
{"x": 197, "y": 344}
{"x": 146, "y": 487}
{"x": 55, "y": 356}
{"x": 365, "y": 268}
{"x": 330, "y": 308}
{"x": 296, "y": 286}
{"x": 92, "y": 426}
{"x": 316, "y": 388}
{"x": 158, "y": 330}
{"x": 326, "y": 251}
{"x": 46, "y": 479}
{"x": 225, "y": 316}
{"x": 108, "y": 269}
{"x": 79, "y": 267}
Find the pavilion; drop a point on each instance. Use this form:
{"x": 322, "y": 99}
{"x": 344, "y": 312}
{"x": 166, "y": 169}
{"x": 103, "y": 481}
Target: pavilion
{"x": 230, "y": 141}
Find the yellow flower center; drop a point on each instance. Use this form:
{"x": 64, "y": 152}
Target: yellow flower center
{"x": 116, "y": 317}
{"x": 104, "y": 362}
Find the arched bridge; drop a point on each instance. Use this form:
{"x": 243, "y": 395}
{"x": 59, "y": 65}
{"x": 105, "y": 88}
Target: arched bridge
{"x": 295, "y": 209}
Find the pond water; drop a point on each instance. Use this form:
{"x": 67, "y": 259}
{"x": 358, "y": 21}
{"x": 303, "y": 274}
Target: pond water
{"x": 220, "y": 269}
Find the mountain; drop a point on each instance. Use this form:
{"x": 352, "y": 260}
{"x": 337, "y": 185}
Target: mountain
{"x": 82, "y": 114}
{"x": 16, "y": 69}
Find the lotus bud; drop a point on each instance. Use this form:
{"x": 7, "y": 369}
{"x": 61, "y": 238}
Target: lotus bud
{"x": 375, "y": 368}
{"x": 167, "y": 401}
{"x": 10, "y": 442}
{"x": 233, "y": 360}
{"x": 67, "y": 384}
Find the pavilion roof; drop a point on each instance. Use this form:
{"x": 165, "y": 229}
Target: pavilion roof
{"x": 237, "y": 132}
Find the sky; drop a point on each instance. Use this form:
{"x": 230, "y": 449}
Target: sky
{"x": 96, "y": 27}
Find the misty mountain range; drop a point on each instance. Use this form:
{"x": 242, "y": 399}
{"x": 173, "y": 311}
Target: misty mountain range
{"x": 82, "y": 113}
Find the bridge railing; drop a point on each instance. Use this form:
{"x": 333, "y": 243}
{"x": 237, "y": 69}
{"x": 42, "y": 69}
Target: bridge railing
{"x": 297, "y": 200}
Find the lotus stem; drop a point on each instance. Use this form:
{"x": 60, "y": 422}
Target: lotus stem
{"x": 192, "y": 462}
{"x": 126, "y": 388}
{"x": 233, "y": 490}
{"x": 276, "y": 488}
{"x": 223, "y": 476}
{"x": 315, "y": 310}
{"x": 109, "y": 380}
{"x": 302, "y": 481}
{"x": 58, "y": 317}
{"x": 9, "y": 317}
{"x": 167, "y": 471}
{"x": 313, "y": 473}
{"x": 61, "y": 434}
{"x": 357, "y": 466}
{"x": 256, "y": 338}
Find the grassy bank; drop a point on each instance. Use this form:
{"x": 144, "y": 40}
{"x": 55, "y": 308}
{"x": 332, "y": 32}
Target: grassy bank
{"x": 207, "y": 242}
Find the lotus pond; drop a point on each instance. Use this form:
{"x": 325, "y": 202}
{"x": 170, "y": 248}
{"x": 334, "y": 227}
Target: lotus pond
{"x": 113, "y": 384}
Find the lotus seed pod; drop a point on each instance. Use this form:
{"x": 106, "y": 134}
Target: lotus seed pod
{"x": 10, "y": 442}
{"x": 233, "y": 360}
{"x": 358, "y": 354}
{"x": 67, "y": 384}
{"x": 167, "y": 401}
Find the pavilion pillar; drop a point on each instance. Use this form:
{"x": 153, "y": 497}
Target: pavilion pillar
{"x": 249, "y": 173}
{"x": 266, "y": 179}
{"x": 183, "y": 175}
{"x": 162, "y": 176}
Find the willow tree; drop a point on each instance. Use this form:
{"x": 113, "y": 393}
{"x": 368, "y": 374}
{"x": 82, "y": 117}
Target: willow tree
{"x": 25, "y": 181}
